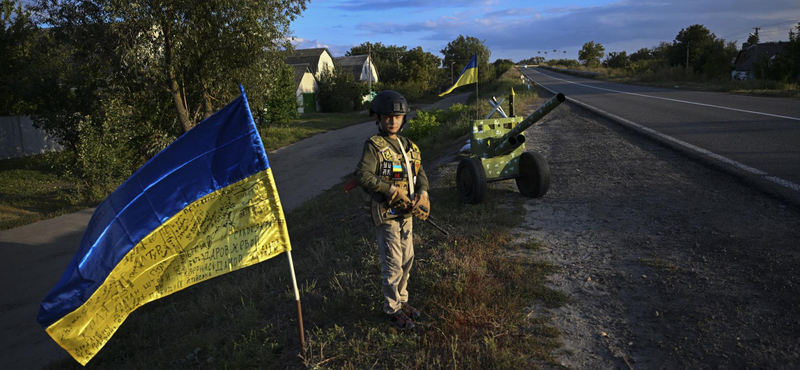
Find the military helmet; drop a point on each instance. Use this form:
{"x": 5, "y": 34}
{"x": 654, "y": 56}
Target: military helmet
{"x": 390, "y": 103}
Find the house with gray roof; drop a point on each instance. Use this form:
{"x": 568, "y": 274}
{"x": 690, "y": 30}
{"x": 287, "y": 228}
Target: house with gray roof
{"x": 743, "y": 64}
{"x": 307, "y": 89}
{"x": 317, "y": 59}
{"x": 360, "y": 66}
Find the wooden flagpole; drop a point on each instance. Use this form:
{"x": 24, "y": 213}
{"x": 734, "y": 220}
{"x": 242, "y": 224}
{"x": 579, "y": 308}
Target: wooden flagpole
{"x": 477, "y": 98}
{"x": 297, "y": 298}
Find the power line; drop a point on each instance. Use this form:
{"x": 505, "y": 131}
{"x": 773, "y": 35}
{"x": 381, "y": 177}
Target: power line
{"x": 749, "y": 28}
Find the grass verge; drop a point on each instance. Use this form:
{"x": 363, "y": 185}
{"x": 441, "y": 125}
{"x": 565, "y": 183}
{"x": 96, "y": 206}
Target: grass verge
{"x": 475, "y": 289}
{"x": 281, "y": 135}
{"x": 33, "y": 189}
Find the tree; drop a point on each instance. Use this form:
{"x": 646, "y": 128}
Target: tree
{"x": 281, "y": 105}
{"x": 420, "y": 73}
{"x": 196, "y": 52}
{"x": 386, "y": 59}
{"x": 591, "y": 54}
{"x": 716, "y": 58}
{"x": 16, "y": 38}
{"x": 339, "y": 91}
{"x": 751, "y": 40}
{"x": 413, "y": 72}
{"x": 501, "y": 66}
{"x": 695, "y": 39}
{"x": 641, "y": 54}
{"x": 458, "y": 52}
{"x": 616, "y": 60}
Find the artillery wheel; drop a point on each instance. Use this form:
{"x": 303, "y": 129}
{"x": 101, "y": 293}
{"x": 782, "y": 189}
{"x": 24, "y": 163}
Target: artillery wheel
{"x": 471, "y": 180}
{"x": 534, "y": 175}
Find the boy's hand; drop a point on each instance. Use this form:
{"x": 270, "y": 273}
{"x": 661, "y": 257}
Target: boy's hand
{"x": 422, "y": 206}
{"x": 399, "y": 200}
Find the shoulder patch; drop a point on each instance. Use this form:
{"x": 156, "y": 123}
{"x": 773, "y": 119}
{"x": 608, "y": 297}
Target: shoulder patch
{"x": 414, "y": 146}
{"x": 379, "y": 141}
{"x": 387, "y": 154}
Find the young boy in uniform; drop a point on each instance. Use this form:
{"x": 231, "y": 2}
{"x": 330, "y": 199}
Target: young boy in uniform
{"x": 390, "y": 171}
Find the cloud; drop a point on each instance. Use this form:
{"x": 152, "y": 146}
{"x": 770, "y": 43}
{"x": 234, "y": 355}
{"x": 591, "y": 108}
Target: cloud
{"x": 354, "y": 5}
{"x": 336, "y": 50}
{"x": 624, "y": 24}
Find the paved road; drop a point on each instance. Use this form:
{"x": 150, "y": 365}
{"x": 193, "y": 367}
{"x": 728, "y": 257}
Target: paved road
{"x": 35, "y": 255}
{"x": 757, "y": 137}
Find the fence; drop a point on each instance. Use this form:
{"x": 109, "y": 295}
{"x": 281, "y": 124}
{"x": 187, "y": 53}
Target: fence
{"x": 18, "y": 138}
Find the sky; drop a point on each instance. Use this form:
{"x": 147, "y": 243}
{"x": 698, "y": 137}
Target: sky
{"x": 519, "y": 29}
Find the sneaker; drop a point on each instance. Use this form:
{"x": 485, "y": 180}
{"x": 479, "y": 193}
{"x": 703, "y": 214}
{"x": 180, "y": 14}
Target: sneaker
{"x": 411, "y": 311}
{"x": 400, "y": 320}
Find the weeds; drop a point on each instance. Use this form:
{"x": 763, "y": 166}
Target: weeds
{"x": 34, "y": 188}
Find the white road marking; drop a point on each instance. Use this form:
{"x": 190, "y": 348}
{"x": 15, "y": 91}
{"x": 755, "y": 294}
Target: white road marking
{"x": 739, "y": 165}
{"x": 669, "y": 99}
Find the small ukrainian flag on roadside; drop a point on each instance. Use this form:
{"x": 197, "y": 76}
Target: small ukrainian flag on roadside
{"x": 468, "y": 76}
{"x": 204, "y": 206}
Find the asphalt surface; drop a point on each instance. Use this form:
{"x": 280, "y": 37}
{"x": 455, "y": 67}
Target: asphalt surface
{"x": 756, "y": 137}
{"x": 37, "y": 254}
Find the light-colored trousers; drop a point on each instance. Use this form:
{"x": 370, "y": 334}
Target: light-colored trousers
{"x": 395, "y": 243}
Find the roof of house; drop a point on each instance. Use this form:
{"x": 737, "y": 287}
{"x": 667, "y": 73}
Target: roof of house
{"x": 746, "y": 57}
{"x": 352, "y": 60}
{"x": 353, "y": 64}
{"x": 300, "y": 70}
{"x": 309, "y": 56}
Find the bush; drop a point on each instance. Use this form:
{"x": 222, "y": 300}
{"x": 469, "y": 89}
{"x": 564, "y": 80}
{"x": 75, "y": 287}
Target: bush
{"x": 458, "y": 112}
{"x": 423, "y": 125}
{"x": 568, "y": 63}
{"x": 339, "y": 91}
{"x": 281, "y": 105}
{"x": 102, "y": 160}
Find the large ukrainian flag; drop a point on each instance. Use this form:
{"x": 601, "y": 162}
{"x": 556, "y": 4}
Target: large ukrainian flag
{"x": 468, "y": 76}
{"x": 204, "y": 206}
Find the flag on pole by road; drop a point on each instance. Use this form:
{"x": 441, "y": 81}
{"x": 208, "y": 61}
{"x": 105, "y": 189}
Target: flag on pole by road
{"x": 204, "y": 206}
{"x": 468, "y": 76}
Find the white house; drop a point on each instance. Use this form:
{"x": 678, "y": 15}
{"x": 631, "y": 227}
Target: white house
{"x": 318, "y": 59}
{"x": 360, "y": 66}
{"x": 307, "y": 89}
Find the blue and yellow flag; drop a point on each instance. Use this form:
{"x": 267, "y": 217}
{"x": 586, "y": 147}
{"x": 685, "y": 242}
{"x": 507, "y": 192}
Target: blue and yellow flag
{"x": 468, "y": 76}
{"x": 204, "y": 206}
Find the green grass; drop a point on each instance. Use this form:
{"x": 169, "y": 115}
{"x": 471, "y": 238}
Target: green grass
{"x": 281, "y": 135}
{"x": 33, "y": 188}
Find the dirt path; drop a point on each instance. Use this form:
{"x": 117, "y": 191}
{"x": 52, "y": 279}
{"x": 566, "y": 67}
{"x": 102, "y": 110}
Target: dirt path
{"x": 669, "y": 263}
{"x": 37, "y": 254}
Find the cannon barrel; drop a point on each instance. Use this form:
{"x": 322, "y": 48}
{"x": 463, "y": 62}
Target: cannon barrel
{"x": 511, "y": 141}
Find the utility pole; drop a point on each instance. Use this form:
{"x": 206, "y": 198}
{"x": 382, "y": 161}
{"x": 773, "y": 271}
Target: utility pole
{"x": 369, "y": 67}
{"x": 756, "y": 35}
{"x": 452, "y": 79}
{"x": 688, "y": 44}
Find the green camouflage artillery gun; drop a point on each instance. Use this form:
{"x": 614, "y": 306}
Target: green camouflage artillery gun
{"x": 497, "y": 148}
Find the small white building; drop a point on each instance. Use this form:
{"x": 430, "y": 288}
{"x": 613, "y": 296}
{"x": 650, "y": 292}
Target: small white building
{"x": 360, "y": 66}
{"x": 307, "y": 89}
{"x": 317, "y": 59}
